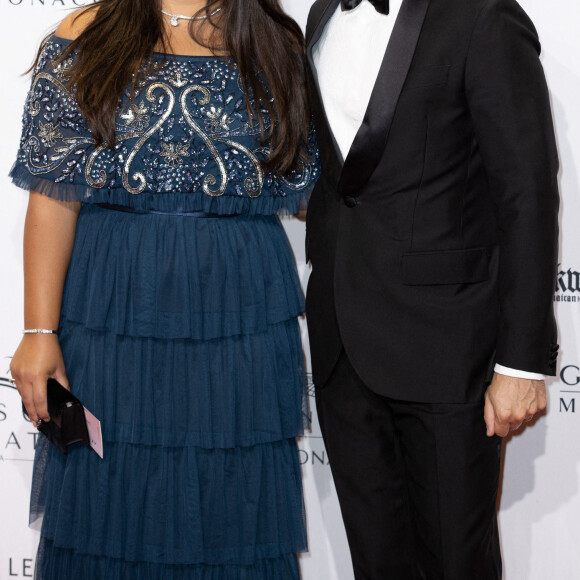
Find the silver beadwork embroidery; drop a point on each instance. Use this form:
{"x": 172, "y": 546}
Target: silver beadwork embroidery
{"x": 178, "y": 81}
{"x": 101, "y": 182}
{"x": 171, "y": 139}
{"x": 136, "y": 117}
{"x": 61, "y": 69}
{"x": 209, "y": 179}
{"x": 173, "y": 153}
{"x": 49, "y": 133}
{"x": 217, "y": 120}
{"x": 138, "y": 176}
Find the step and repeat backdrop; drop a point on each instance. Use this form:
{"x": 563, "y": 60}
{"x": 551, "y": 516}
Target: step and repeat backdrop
{"x": 540, "y": 499}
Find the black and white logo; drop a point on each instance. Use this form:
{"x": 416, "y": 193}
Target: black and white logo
{"x": 567, "y": 285}
{"x": 570, "y": 389}
{"x": 17, "y": 435}
{"x": 311, "y": 447}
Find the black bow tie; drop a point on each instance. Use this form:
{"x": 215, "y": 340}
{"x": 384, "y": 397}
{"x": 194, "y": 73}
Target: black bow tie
{"x": 381, "y": 6}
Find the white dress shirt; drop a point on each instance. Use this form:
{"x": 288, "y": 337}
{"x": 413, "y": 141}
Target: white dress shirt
{"x": 347, "y": 58}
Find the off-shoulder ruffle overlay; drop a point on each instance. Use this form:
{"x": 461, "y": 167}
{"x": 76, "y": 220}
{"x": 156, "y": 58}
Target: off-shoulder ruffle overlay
{"x": 185, "y": 141}
{"x": 288, "y": 204}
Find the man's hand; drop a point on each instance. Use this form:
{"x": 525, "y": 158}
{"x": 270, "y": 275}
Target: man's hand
{"x": 510, "y": 401}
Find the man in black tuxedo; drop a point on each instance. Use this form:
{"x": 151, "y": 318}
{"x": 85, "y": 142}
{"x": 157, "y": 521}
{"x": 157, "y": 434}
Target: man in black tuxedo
{"x": 432, "y": 235}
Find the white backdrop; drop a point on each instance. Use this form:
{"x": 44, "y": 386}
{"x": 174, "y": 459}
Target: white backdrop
{"x": 540, "y": 501}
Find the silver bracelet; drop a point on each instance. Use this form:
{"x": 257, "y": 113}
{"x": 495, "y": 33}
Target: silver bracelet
{"x": 39, "y": 331}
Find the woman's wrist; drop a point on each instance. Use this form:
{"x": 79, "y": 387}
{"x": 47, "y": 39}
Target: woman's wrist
{"x": 39, "y": 331}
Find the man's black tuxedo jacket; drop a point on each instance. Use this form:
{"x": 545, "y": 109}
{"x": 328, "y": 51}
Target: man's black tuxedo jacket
{"x": 434, "y": 245}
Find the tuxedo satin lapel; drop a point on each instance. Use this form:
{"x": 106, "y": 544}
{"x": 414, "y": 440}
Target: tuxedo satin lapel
{"x": 321, "y": 12}
{"x": 371, "y": 138}
{"x": 330, "y": 151}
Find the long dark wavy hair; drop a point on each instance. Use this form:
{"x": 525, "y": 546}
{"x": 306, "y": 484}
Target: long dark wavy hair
{"x": 264, "y": 42}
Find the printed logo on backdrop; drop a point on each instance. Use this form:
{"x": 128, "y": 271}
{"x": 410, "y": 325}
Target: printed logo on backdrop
{"x": 311, "y": 446}
{"x": 19, "y": 567}
{"x": 570, "y": 391}
{"x": 17, "y": 435}
{"x": 567, "y": 285}
{"x": 49, "y": 3}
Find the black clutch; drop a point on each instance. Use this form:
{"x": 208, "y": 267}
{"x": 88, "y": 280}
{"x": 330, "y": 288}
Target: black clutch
{"x": 67, "y": 423}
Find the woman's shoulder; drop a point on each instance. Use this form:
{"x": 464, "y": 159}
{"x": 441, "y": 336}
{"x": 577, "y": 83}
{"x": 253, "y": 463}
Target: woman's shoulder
{"x": 76, "y": 22}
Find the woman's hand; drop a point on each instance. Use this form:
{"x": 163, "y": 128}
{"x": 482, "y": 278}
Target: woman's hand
{"x": 37, "y": 358}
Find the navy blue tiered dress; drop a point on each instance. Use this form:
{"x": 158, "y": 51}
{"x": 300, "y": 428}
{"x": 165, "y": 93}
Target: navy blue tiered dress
{"x": 179, "y": 332}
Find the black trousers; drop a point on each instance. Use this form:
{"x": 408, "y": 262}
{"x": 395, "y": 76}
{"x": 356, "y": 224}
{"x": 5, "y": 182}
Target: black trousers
{"x": 417, "y": 483}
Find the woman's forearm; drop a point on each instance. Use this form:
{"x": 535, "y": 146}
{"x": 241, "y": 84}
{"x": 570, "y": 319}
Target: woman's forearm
{"x": 49, "y": 233}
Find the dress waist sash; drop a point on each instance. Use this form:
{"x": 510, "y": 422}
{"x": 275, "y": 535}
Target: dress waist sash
{"x": 197, "y": 214}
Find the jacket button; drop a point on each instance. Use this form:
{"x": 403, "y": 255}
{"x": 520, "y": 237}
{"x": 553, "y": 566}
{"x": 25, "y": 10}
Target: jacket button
{"x": 350, "y": 201}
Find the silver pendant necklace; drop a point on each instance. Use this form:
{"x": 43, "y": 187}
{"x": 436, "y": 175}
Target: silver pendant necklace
{"x": 176, "y": 17}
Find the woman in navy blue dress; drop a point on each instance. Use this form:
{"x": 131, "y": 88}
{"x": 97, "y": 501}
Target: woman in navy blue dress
{"x": 160, "y": 143}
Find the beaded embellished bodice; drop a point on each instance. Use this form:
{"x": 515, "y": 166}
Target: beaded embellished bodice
{"x": 184, "y": 141}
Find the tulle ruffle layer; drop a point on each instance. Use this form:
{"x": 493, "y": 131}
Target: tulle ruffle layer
{"x": 269, "y": 203}
{"x": 172, "y": 505}
{"x": 64, "y": 564}
{"x": 180, "y": 277}
{"x": 235, "y": 391}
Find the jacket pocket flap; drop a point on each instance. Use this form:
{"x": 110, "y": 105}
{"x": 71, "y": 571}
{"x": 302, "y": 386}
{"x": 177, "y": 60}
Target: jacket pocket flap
{"x": 445, "y": 267}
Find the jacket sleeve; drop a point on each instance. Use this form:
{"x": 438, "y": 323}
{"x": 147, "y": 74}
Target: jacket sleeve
{"x": 510, "y": 110}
